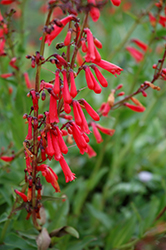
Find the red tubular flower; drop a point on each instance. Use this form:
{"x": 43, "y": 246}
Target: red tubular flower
{"x": 69, "y": 176}
{"x": 29, "y": 135}
{"x": 28, "y": 162}
{"x": 100, "y": 77}
{"x": 116, "y": 2}
{"x": 67, "y": 108}
{"x": 96, "y": 133}
{"x": 97, "y": 55}
{"x": 45, "y": 85}
{"x": 2, "y": 45}
{"x": 162, "y": 21}
{"x": 66, "y": 95}
{"x": 73, "y": 89}
{"x": 12, "y": 63}
{"x": 121, "y": 93}
{"x": 88, "y": 77}
{"x": 79, "y": 58}
{"x": 152, "y": 19}
{"x": 90, "y": 151}
{"x": 91, "y": 47}
{"x": 62, "y": 144}
{"x": 61, "y": 60}
{"x": 77, "y": 116}
{"x": 34, "y": 100}
{"x": 57, "y": 151}
{"x": 78, "y": 137}
{"x": 27, "y": 80}
{"x": 112, "y": 68}
{"x": 83, "y": 46}
{"x": 106, "y": 109}
{"x": 105, "y": 130}
{"x": 140, "y": 44}
{"x": 84, "y": 124}
{"x": 97, "y": 43}
{"x": 53, "y": 114}
{"x": 68, "y": 38}
{"x": 22, "y": 195}
{"x": 49, "y": 175}
{"x": 49, "y": 149}
{"x": 7, "y": 158}
{"x": 50, "y": 37}
{"x": 57, "y": 82}
{"x": 6, "y": 2}
{"x": 97, "y": 89}
{"x": 91, "y": 111}
{"x": 43, "y": 154}
{"x": 138, "y": 56}
{"x": 85, "y": 137}
{"x": 94, "y": 12}
{"x": 134, "y": 108}
{"x": 7, "y": 75}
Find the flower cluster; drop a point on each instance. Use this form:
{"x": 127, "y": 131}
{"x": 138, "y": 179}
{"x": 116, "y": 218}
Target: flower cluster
{"x": 64, "y": 123}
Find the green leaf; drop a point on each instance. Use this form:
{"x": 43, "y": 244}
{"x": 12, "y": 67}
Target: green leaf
{"x": 100, "y": 216}
{"x": 51, "y": 198}
{"x": 72, "y": 231}
{"x": 121, "y": 233}
{"x": 63, "y": 231}
{"x": 81, "y": 244}
{"x": 3, "y": 217}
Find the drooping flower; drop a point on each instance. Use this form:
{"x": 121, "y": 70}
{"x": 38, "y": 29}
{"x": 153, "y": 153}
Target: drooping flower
{"x": 29, "y": 135}
{"x": 27, "y": 80}
{"x": 6, "y": 75}
{"x": 2, "y": 46}
{"x": 79, "y": 138}
{"x": 69, "y": 176}
{"x": 91, "y": 111}
{"x": 90, "y": 151}
{"x": 100, "y": 77}
{"x": 56, "y": 87}
{"x": 7, "y": 158}
{"x": 83, "y": 124}
{"x": 116, "y": 2}
{"x": 110, "y": 67}
{"x": 152, "y": 19}
{"x": 136, "y": 54}
{"x": 53, "y": 114}
{"x": 66, "y": 94}
{"x": 97, "y": 43}
{"x": 140, "y": 44}
{"x": 12, "y": 63}
{"x": 68, "y": 37}
{"x": 50, "y": 37}
{"x": 94, "y": 12}
{"x": 22, "y": 195}
{"x": 96, "y": 133}
{"x": 91, "y": 47}
{"x": 62, "y": 144}
{"x": 73, "y": 89}
{"x": 162, "y": 21}
{"x": 107, "y": 131}
{"x": 49, "y": 175}
{"x": 49, "y": 149}
{"x": 134, "y": 108}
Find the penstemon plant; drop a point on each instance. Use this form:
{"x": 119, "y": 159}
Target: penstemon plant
{"x": 68, "y": 119}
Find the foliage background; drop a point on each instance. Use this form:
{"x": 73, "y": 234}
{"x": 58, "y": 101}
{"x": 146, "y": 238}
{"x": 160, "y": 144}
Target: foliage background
{"x": 108, "y": 204}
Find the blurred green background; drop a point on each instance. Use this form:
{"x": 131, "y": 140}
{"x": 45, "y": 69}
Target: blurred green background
{"x": 118, "y": 194}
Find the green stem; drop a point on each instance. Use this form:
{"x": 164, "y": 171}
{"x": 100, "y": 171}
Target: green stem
{"x": 35, "y": 131}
